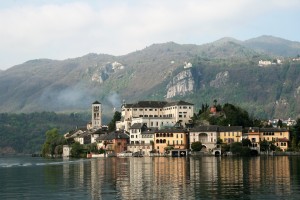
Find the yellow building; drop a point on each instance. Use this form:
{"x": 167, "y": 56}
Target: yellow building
{"x": 176, "y": 138}
{"x": 280, "y": 136}
{"x": 230, "y": 134}
{"x": 253, "y": 135}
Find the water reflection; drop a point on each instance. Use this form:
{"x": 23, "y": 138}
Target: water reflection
{"x": 185, "y": 178}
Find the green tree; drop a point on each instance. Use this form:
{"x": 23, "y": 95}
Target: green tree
{"x": 279, "y": 123}
{"x": 76, "y": 150}
{"x": 112, "y": 123}
{"x": 53, "y": 139}
{"x": 264, "y": 145}
{"x": 196, "y": 146}
{"x": 246, "y": 142}
{"x": 295, "y": 134}
{"x": 238, "y": 149}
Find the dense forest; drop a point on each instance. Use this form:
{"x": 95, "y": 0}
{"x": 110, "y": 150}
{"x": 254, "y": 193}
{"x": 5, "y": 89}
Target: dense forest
{"x": 25, "y": 133}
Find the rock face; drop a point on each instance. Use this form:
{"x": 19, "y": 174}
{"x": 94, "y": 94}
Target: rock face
{"x": 220, "y": 80}
{"x": 102, "y": 73}
{"x": 181, "y": 84}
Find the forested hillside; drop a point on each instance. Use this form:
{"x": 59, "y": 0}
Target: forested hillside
{"x": 226, "y": 70}
{"x": 25, "y": 133}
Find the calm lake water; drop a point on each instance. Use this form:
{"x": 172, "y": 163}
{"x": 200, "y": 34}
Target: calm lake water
{"x": 275, "y": 177}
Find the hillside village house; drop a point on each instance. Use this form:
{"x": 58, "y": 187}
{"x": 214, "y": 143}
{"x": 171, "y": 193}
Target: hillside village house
{"x": 175, "y": 138}
{"x": 252, "y": 133}
{"x": 113, "y": 143}
{"x": 141, "y": 139}
{"x": 230, "y": 134}
{"x": 157, "y": 114}
{"x": 279, "y": 136}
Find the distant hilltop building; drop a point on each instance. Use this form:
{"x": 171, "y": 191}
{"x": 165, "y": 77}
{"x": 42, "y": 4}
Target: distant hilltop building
{"x": 187, "y": 65}
{"x": 263, "y": 63}
{"x": 155, "y": 114}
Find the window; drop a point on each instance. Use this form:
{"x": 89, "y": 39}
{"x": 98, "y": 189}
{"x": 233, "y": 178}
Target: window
{"x": 141, "y": 109}
{"x": 132, "y": 136}
{"x": 150, "y": 109}
{"x": 135, "y": 109}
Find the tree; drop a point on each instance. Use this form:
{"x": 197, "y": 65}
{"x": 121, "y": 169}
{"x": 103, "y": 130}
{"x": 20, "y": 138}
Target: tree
{"x": 264, "y": 145}
{"x": 112, "y": 123}
{"x": 196, "y": 146}
{"x": 215, "y": 102}
{"x": 53, "y": 139}
{"x": 246, "y": 142}
{"x": 76, "y": 150}
{"x": 239, "y": 149}
{"x": 295, "y": 134}
{"x": 279, "y": 123}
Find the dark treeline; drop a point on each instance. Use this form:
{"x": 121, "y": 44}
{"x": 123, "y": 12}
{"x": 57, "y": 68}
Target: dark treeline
{"x": 25, "y": 133}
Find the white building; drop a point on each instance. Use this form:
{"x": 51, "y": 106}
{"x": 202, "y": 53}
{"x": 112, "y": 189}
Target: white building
{"x": 156, "y": 114}
{"x": 141, "y": 139}
{"x": 207, "y": 135}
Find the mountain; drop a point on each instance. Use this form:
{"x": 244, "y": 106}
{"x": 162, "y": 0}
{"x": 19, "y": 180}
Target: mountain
{"x": 274, "y": 45}
{"x": 226, "y": 70}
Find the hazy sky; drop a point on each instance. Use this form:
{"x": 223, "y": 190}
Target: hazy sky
{"x": 32, "y": 29}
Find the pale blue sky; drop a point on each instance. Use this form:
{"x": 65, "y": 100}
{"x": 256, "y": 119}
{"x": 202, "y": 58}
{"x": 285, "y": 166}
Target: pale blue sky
{"x": 32, "y": 29}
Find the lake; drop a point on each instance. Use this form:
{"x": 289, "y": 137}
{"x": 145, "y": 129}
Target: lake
{"x": 265, "y": 177}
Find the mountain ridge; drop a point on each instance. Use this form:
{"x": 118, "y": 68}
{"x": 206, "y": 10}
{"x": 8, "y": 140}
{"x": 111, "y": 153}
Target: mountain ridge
{"x": 72, "y": 84}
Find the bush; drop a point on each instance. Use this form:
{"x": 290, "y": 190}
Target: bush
{"x": 196, "y": 146}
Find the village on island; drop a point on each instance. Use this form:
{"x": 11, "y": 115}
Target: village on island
{"x": 161, "y": 128}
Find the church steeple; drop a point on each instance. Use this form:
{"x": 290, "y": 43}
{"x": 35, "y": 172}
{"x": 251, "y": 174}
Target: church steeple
{"x": 96, "y": 115}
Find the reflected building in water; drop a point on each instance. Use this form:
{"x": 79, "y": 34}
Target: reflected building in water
{"x": 179, "y": 178}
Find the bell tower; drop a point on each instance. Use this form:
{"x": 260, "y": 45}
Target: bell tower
{"x": 96, "y": 115}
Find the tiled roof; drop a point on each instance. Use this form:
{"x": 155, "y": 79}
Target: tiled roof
{"x": 205, "y": 128}
{"x": 230, "y": 128}
{"x": 251, "y": 129}
{"x": 273, "y": 130}
{"x": 179, "y": 103}
{"x": 96, "y": 102}
{"x": 155, "y": 104}
{"x": 113, "y": 135}
{"x": 150, "y": 130}
{"x": 171, "y": 131}
{"x": 136, "y": 126}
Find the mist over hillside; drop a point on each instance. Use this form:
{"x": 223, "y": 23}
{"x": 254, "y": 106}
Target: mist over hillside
{"x": 226, "y": 70}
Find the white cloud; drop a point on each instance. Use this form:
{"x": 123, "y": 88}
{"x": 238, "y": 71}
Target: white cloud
{"x": 71, "y": 29}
